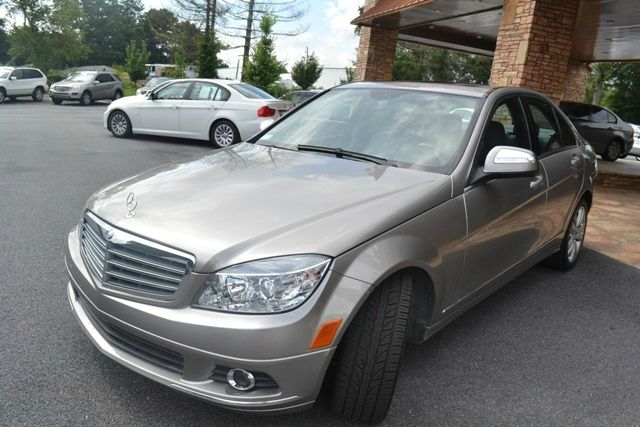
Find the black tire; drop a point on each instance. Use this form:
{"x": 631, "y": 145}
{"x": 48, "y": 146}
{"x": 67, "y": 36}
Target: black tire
{"x": 86, "y": 98}
{"x": 3, "y": 95}
{"x": 368, "y": 358}
{"x": 117, "y": 95}
{"x": 119, "y": 124}
{"x": 224, "y": 134}
{"x": 562, "y": 260}
{"x": 613, "y": 151}
{"x": 38, "y": 94}
{"x": 56, "y": 101}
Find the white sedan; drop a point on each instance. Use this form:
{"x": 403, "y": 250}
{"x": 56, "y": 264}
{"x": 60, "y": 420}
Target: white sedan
{"x": 221, "y": 111}
{"x": 635, "y": 150}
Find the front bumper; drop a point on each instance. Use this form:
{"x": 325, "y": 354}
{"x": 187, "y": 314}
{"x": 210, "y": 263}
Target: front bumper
{"x": 276, "y": 345}
{"x": 71, "y": 95}
{"x": 635, "y": 150}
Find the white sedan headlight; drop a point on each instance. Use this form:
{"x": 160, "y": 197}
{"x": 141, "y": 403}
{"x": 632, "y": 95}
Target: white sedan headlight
{"x": 265, "y": 286}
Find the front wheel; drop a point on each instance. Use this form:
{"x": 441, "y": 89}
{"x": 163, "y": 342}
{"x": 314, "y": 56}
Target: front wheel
{"x": 368, "y": 358}
{"x": 613, "y": 151}
{"x": 2, "y": 96}
{"x": 565, "y": 259}
{"x": 86, "y": 98}
{"x": 38, "y": 94}
{"x": 119, "y": 124}
{"x": 56, "y": 101}
{"x": 224, "y": 134}
{"x": 117, "y": 95}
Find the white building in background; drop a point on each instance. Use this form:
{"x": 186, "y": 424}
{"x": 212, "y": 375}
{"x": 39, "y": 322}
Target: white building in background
{"x": 330, "y": 77}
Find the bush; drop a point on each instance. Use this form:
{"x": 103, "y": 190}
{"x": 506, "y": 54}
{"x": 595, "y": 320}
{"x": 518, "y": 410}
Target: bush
{"x": 55, "y": 76}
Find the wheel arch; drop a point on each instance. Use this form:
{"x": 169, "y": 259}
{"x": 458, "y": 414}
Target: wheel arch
{"x": 588, "y": 197}
{"x": 224, "y": 119}
{"x": 118, "y": 110}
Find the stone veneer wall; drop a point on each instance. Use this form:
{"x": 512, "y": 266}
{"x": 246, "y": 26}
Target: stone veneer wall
{"x": 534, "y": 47}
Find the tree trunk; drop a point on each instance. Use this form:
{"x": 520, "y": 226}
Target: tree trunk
{"x": 247, "y": 38}
{"x": 598, "y": 93}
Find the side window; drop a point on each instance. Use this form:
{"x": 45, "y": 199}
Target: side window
{"x": 104, "y": 78}
{"x": 544, "y": 127}
{"x": 599, "y": 115}
{"x": 222, "y": 95}
{"x": 506, "y": 127}
{"x": 612, "y": 118}
{"x": 566, "y": 131}
{"x": 174, "y": 91}
{"x": 580, "y": 113}
{"x": 116, "y": 77}
{"x": 17, "y": 74}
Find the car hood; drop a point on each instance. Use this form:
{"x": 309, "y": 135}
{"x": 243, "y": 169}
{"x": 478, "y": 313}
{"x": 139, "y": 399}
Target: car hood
{"x": 251, "y": 202}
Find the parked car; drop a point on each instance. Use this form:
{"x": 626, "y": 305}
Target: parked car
{"x": 366, "y": 218}
{"x": 87, "y": 87}
{"x": 22, "y": 81}
{"x": 221, "y": 111}
{"x": 299, "y": 96}
{"x": 608, "y": 134}
{"x": 152, "y": 84}
{"x": 635, "y": 150}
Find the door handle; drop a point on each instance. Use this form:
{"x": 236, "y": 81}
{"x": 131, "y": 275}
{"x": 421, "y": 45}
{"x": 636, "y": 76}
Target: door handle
{"x": 575, "y": 161}
{"x": 537, "y": 183}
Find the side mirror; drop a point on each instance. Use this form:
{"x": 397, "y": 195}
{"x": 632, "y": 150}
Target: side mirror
{"x": 13, "y": 78}
{"x": 96, "y": 82}
{"x": 504, "y": 160}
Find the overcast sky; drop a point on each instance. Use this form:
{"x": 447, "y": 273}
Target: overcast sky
{"x": 330, "y": 34}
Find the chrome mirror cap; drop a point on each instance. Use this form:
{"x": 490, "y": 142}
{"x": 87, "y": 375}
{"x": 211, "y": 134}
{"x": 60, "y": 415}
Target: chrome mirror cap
{"x": 510, "y": 160}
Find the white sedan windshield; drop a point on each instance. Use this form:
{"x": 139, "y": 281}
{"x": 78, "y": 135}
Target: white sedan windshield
{"x": 409, "y": 128}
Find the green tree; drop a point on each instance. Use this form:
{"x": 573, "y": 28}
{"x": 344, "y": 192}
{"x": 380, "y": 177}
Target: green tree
{"x": 431, "y": 64}
{"x": 306, "y": 71}
{"x": 4, "y": 43}
{"x": 109, "y": 26}
{"x": 623, "y": 95}
{"x": 136, "y": 58}
{"x": 208, "y": 58}
{"x": 159, "y": 33}
{"x": 263, "y": 68}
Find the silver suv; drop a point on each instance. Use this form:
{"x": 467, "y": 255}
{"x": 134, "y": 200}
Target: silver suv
{"x": 87, "y": 87}
{"x": 22, "y": 81}
{"x": 366, "y": 218}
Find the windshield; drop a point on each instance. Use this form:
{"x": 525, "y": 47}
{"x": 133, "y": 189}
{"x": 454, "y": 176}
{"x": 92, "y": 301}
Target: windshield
{"x": 82, "y": 77}
{"x": 156, "y": 81}
{"x": 409, "y": 128}
{"x": 4, "y": 72}
{"x": 251, "y": 92}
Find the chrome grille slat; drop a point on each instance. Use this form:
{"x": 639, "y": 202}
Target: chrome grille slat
{"x": 152, "y": 260}
{"x": 130, "y": 263}
{"x": 146, "y": 282}
{"x": 149, "y": 272}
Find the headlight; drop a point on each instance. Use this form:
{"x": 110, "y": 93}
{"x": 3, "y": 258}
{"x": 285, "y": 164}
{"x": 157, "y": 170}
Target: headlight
{"x": 265, "y": 286}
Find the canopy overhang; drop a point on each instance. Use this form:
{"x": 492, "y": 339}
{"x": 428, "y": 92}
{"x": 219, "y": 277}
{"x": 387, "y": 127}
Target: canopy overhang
{"x": 606, "y": 30}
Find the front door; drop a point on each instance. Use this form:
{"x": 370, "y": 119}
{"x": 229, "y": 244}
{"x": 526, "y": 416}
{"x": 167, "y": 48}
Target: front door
{"x": 161, "y": 113}
{"x": 555, "y": 144}
{"x": 503, "y": 213}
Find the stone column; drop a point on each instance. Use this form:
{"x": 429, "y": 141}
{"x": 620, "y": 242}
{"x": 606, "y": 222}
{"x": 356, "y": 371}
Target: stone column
{"x": 534, "y": 48}
{"x": 376, "y": 51}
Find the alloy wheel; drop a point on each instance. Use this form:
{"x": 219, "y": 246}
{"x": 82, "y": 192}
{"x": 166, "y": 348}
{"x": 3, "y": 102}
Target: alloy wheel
{"x": 576, "y": 233}
{"x": 86, "y": 98}
{"x": 39, "y": 95}
{"x": 1, "y": 97}
{"x": 119, "y": 125}
{"x": 224, "y": 135}
{"x": 613, "y": 150}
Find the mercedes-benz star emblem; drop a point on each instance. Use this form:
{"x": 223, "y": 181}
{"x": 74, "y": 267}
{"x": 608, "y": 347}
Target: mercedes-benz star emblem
{"x": 132, "y": 203}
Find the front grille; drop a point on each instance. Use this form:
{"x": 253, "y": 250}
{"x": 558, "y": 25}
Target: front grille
{"x": 262, "y": 380}
{"x": 119, "y": 259}
{"x": 136, "y": 346}
{"x": 62, "y": 88}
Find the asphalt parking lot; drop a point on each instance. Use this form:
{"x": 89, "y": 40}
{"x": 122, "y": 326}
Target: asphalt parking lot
{"x": 548, "y": 349}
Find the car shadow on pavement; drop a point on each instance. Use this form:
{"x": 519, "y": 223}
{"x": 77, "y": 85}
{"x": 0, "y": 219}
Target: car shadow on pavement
{"x": 549, "y": 348}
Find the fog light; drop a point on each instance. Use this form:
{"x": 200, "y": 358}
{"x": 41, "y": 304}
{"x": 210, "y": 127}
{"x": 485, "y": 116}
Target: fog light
{"x": 240, "y": 379}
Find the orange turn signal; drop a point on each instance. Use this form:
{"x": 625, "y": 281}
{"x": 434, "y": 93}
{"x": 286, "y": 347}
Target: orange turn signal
{"x": 326, "y": 333}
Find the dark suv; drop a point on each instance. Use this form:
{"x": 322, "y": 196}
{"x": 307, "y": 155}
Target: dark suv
{"x": 608, "y": 134}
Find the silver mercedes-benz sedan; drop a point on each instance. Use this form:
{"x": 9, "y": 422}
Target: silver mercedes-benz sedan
{"x": 369, "y": 217}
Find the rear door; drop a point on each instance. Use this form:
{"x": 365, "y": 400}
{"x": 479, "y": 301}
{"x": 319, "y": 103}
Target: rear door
{"x": 199, "y": 110}
{"x": 600, "y": 130}
{"x": 505, "y": 214}
{"x": 18, "y": 86}
{"x": 557, "y": 149}
{"x": 105, "y": 88}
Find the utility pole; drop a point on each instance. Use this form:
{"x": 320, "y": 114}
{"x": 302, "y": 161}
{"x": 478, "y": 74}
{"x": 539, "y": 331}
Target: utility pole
{"x": 247, "y": 38}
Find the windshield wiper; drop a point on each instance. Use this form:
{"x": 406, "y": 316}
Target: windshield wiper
{"x": 340, "y": 153}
